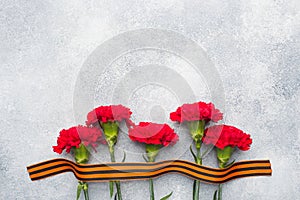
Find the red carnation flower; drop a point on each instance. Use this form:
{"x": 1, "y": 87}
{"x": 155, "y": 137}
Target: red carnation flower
{"x": 110, "y": 113}
{"x": 152, "y": 133}
{"x": 108, "y": 118}
{"x": 75, "y": 136}
{"x": 196, "y": 111}
{"x": 222, "y": 136}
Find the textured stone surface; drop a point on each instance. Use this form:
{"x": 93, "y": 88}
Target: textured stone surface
{"x": 254, "y": 46}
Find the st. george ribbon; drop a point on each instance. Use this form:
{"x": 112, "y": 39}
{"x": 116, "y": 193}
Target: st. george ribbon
{"x": 142, "y": 171}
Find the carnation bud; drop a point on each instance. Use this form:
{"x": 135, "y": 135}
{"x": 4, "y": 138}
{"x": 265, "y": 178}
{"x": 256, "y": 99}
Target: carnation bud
{"x": 81, "y": 154}
{"x": 197, "y": 131}
{"x": 224, "y": 155}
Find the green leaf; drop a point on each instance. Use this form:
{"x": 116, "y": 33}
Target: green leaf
{"x": 194, "y": 155}
{"x": 111, "y": 188}
{"x": 124, "y": 157}
{"x": 167, "y": 196}
{"x": 230, "y": 164}
{"x": 215, "y": 195}
{"x": 79, "y": 189}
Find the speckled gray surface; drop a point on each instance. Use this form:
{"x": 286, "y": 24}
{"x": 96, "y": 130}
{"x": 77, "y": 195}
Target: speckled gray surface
{"x": 253, "y": 45}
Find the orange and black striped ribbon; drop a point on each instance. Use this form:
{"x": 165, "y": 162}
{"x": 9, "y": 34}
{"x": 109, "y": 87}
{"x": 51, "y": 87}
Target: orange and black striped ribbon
{"x": 141, "y": 171}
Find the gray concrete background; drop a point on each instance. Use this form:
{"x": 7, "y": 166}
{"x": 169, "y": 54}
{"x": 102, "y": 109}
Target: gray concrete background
{"x": 254, "y": 45}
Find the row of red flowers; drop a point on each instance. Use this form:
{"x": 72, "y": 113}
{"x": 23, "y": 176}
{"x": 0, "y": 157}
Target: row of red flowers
{"x": 102, "y": 126}
{"x": 151, "y": 133}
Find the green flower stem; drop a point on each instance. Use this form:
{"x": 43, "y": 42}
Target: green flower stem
{"x": 152, "y": 151}
{"x": 220, "y": 192}
{"x": 197, "y": 132}
{"x": 86, "y": 194}
{"x": 197, "y": 183}
{"x": 112, "y": 158}
{"x": 112, "y": 153}
{"x": 118, "y": 186}
{"x": 151, "y": 188}
{"x": 82, "y": 186}
{"x": 223, "y": 157}
{"x": 86, "y": 191}
{"x": 81, "y": 157}
{"x": 111, "y": 130}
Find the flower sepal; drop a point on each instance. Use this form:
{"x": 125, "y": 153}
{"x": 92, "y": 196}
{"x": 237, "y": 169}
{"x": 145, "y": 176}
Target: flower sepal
{"x": 197, "y": 131}
{"x": 152, "y": 151}
{"x": 82, "y": 154}
{"x": 110, "y": 129}
{"x": 224, "y": 155}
